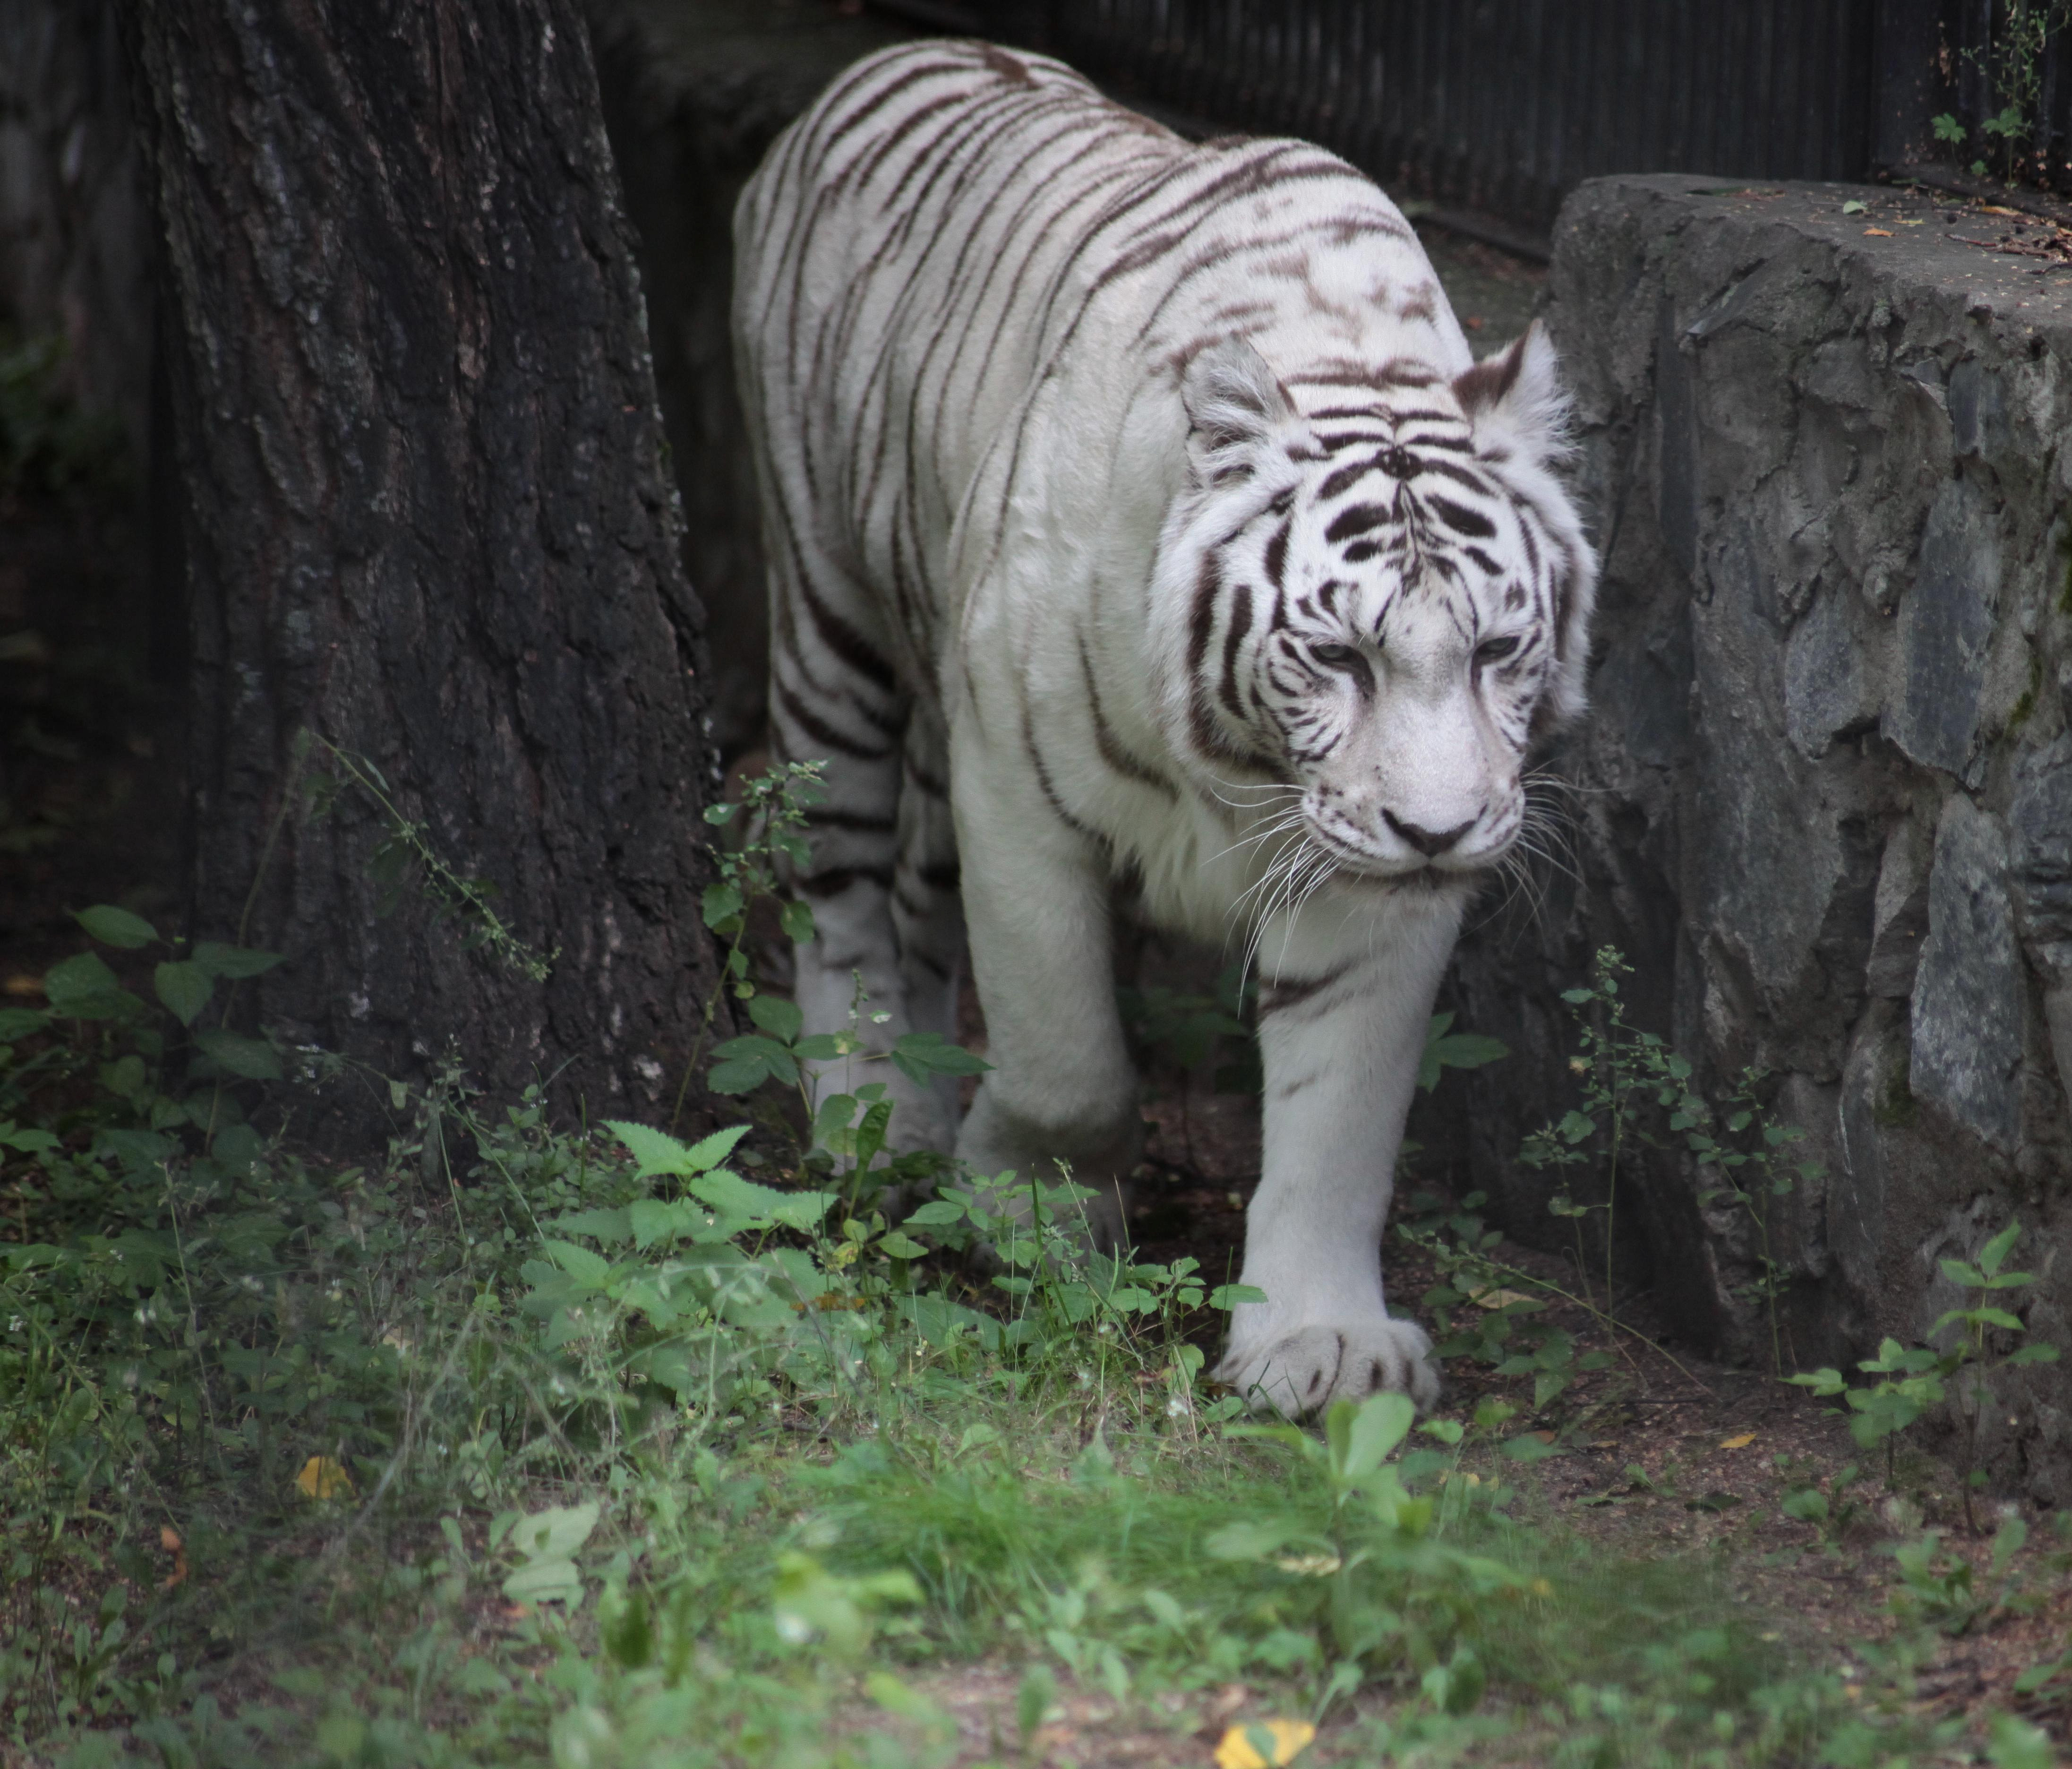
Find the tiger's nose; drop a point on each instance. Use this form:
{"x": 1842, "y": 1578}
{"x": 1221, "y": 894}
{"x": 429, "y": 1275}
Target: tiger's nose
{"x": 1430, "y": 843}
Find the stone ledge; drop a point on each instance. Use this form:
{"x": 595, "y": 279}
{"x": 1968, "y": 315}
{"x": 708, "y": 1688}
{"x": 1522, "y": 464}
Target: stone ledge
{"x": 1826, "y": 788}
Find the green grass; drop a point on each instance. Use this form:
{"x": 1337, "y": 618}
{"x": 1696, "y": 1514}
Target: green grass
{"x": 639, "y": 1461}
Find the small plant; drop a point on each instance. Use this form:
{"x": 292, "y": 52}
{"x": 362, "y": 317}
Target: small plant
{"x": 1486, "y": 1308}
{"x": 1624, "y": 1071}
{"x": 772, "y": 814}
{"x": 2020, "y": 34}
{"x": 1613, "y": 1067}
{"x": 1940, "y": 1589}
{"x": 1831, "y": 1512}
{"x": 1187, "y": 1031}
{"x": 406, "y": 857}
{"x": 1374, "y": 1532}
{"x": 1912, "y": 1379}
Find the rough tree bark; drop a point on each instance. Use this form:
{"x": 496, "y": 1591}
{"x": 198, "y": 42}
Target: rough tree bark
{"x": 431, "y": 523}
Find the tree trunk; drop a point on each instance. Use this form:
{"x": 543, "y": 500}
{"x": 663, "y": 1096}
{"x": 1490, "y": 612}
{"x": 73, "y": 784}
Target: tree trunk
{"x": 432, "y": 526}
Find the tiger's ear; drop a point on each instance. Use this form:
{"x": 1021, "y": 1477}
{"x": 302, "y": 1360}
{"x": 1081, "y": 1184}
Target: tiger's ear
{"x": 1236, "y": 404}
{"x": 1514, "y": 400}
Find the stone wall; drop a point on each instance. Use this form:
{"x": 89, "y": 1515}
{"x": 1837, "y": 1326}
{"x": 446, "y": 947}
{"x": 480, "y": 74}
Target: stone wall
{"x": 1823, "y": 801}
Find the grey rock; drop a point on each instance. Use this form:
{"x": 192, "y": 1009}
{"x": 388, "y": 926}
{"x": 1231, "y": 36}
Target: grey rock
{"x": 1967, "y": 1004}
{"x": 1895, "y": 957}
{"x": 1946, "y": 623}
{"x": 1830, "y": 682}
{"x": 1676, "y": 447}
{"x": 2040, "y": 821}
{"x": 1977, "y": 407}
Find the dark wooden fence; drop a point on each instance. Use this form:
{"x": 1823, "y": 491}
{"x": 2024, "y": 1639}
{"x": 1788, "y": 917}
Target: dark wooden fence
{"x": 1504, "y": 105}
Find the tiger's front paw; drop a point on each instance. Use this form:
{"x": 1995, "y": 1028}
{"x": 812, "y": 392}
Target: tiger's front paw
{"x": 1303, "y": 1371}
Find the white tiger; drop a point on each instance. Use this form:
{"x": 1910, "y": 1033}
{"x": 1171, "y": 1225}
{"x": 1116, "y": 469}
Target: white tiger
{"x": 1137, "y": 514}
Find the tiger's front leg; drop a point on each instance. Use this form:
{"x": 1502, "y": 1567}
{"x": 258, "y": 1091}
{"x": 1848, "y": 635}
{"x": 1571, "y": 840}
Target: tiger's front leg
{"x": 1342, "y": 1025}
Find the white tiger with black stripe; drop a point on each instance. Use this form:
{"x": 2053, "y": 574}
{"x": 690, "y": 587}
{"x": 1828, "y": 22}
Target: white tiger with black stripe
{"x": 1137, "y": 514}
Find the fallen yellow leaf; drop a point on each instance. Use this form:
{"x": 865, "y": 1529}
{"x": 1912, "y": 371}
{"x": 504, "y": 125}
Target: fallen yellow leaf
{"x": 1290, "y": 1738}
{"x": 25, "y": 984}
{"x": 169, "y": 1539}
{"x": 1881, "y": 233}
{"x": 322, "y": 1478}
{"x": 1994, "y": 208}
{"x": 1741, "y": 1443}
{"x": 1500, "y": 1298}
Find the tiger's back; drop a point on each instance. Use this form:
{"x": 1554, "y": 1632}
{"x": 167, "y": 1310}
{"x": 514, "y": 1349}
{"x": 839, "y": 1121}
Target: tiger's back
{"x": 954, "y": 230}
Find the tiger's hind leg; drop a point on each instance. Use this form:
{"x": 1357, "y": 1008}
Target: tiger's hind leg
{"x": 881, "y": 880}
{"x": 929, "y": 919}
{"x": 834, "y": 699}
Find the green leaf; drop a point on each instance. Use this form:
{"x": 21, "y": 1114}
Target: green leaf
{"x": 234, "y": 962}
{"x": 548, "y": 1540}
{"x": 796, "y": 919}
{"x": 1807, "y": 1504}
{"x": 732, "y": 1195}
{"x": 1853, "y": 207}
{"x": 1381, "y": 1422}
{"x": 837, "y": 1111}
{"x": 899, "y": 1246}
{"x": 1529, "y": 1448}
{"x": 941, "y": 1212}
{"x": 1970, "y": 1277}
{"x": 137, "y": 1150}
{"x": 1227, "y": 1296}
{"x": 21, "y": 1022}
{"x": 2015, "y": 1744}
{"x": 780, "y": 1018}
{"x": 586, "y": 1267}
{"x": 652, "y": 1220}
{"x": 1256, "y": 1539}
{"x": 747, "y": 1063}
{"x": 83, "y": 987}
{"x": 24, "y": 1140}
{"x": 722, "y": 901}
{"x": 710, "y": 1151}
{"x": 184, "y": 987}
{"x": 2034, "y": 1354}
{"x": 1996, "y": 1250}
{"x": 654, "y": 1151}
{"x": 1461, "y": 1051}
{"x": 598, "y": 1225}
{"x": 252, "y": 1059}
{"x": 919, "y": 1055}
{"x": 113, "y": 926}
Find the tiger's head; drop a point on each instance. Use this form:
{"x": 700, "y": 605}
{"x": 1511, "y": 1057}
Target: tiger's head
{"x": 1376, "y": 594}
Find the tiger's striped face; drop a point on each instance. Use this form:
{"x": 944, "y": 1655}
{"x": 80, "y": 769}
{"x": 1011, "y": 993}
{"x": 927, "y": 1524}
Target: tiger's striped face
{"x": 1387, "y": 600}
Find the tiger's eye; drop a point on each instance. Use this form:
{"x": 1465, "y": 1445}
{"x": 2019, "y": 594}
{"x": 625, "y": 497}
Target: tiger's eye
{"x": 1335, "y": 657}
{"x": 1494, "y": 650}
